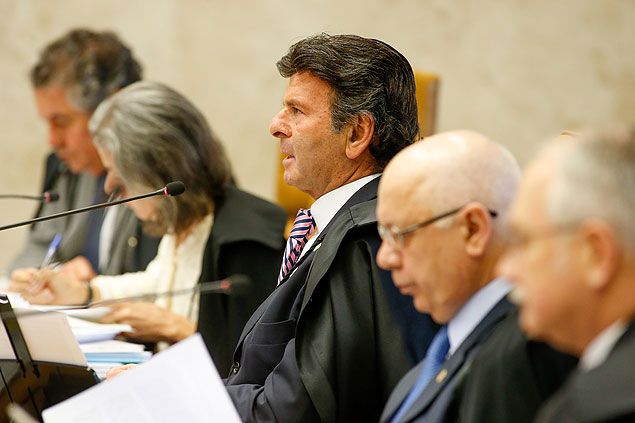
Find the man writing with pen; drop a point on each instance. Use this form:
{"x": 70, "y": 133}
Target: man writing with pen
{"x": 70, "y": 78}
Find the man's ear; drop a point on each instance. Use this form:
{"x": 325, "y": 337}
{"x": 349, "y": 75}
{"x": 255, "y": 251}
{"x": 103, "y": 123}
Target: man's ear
{"x": 476, "y": 229}
{"x": 360, "y": 136}
{"x": 599, "y": 253}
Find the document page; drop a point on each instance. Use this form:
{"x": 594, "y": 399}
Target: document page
{"x": 47, "y": 335}
{"x": 180, "y": 384}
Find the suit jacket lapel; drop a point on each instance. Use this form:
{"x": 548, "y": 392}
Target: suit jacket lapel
{"x": 341, "y": 224}
{"x": 453, "y": 365}
{"x": 400, "y": 392}
{"x": 357, "y": 211}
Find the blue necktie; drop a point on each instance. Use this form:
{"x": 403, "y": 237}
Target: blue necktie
{"x": 435, "y": 356}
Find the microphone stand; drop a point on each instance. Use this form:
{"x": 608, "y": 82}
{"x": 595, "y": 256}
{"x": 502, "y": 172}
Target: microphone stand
{"x": 232, "y": 285}
{"x": 172, "y": 186}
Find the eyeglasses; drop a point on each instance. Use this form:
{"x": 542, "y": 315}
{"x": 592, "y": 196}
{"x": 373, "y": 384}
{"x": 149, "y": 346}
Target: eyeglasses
{"x": 395, "y": 236}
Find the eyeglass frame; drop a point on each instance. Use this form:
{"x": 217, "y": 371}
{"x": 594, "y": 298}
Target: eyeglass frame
{"x": 395, "y": 236}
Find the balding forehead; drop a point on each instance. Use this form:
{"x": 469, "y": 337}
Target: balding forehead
{"x": 400, "y": 201}
{"x": 452, "y": 168}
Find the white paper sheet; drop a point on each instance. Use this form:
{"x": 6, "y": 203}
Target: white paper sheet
{"x": 91, "y": 314}
{"x": 179, "y": 384}
{"x": 86, "y": 331}
{"x": 111, "y": 346}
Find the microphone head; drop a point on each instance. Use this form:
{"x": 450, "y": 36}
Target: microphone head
{"x": 174, "y": 188}
{"x": 238, "y": 284}
{"x": 51, "y": 197}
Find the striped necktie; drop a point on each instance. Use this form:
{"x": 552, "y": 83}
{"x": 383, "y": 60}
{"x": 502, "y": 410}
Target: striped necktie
{"x": 303, "y": 227}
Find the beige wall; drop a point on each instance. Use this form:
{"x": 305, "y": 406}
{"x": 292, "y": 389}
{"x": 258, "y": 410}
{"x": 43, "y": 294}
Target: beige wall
{"x": 516, "y": 70}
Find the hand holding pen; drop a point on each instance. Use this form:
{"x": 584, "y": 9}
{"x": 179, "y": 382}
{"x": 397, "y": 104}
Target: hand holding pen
{"x": 37, "y": 283}
{"x": 50, "y": 251}
{"x": 31, "y": 281}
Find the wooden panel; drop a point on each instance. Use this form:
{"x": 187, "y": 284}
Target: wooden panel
{"x": 427, "y": 92}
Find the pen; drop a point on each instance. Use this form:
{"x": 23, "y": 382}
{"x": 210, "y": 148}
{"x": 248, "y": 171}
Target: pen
{"x": 36, "y": 285}
{"x": 50, "y": 252}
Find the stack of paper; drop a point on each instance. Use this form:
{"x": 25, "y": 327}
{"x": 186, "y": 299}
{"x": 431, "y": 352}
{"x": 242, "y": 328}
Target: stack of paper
{"x": 104, "y": 355}
{"x": 86, "y": 331}
{"x": 101, "y": 350}
{"x": 114, "y": 351}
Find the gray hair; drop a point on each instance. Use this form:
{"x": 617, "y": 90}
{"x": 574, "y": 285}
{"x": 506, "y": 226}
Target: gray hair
{"x": 90, "y": 65}
{"x": 367, "y": 76}
{"x": 596, "y": 178}
{"x": 157, "y": 136}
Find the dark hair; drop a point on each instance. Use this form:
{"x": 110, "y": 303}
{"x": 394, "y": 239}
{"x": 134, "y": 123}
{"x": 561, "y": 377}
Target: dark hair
{"x": 157, "y": 136}
{"x": 367, "y": 77}
{"x": 90, "y": 65}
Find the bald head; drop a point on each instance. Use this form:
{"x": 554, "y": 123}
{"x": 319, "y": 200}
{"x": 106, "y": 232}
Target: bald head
{"x": 454, "y": 168}
{"x": 442, "y": 265}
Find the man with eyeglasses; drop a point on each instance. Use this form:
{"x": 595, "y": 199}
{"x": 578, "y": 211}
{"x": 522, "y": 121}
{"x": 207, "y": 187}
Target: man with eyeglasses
{"x": 458, "y": 185}
{"x": 574, "y": 266}
{"x": 442, "y": 210}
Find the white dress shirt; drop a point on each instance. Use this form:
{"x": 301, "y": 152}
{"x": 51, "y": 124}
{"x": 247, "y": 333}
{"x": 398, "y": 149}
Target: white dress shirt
{"x": 474, "y": 310}
{"x": 601, "y": 346}
{"x": 174, "y": 267}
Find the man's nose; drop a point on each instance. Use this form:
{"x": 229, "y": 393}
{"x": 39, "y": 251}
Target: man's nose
{"x": 278, "y": 127}
{"x": 387, "y": 257}
{"x": 56, "y": 137}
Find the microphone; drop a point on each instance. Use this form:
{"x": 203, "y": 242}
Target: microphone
{"x": 47, "y": 197}
{"x": 233, "y": 285}
{"x": 172, "y": 189}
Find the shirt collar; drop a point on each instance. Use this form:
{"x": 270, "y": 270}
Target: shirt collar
{"x": 324, "y": 208}
{"x": 601, "y": 346}
{"x": 474, "y": 310}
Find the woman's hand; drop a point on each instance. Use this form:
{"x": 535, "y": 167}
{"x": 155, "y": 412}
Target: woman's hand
{"x": 151, "y": 322}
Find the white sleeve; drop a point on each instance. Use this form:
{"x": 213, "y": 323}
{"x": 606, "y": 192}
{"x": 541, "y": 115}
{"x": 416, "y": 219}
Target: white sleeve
{"x": 131, "y": 284}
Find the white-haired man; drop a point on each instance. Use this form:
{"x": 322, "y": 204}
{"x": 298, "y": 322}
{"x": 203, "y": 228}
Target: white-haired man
{"x": 574, "y": 264}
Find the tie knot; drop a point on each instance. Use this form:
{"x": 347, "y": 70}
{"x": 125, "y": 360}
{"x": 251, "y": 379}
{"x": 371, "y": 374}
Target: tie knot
{"x": 303, "y": 225}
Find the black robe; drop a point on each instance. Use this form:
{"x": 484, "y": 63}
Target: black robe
{"x": 247, "y": 238}
{"x": 324, "y": 347}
